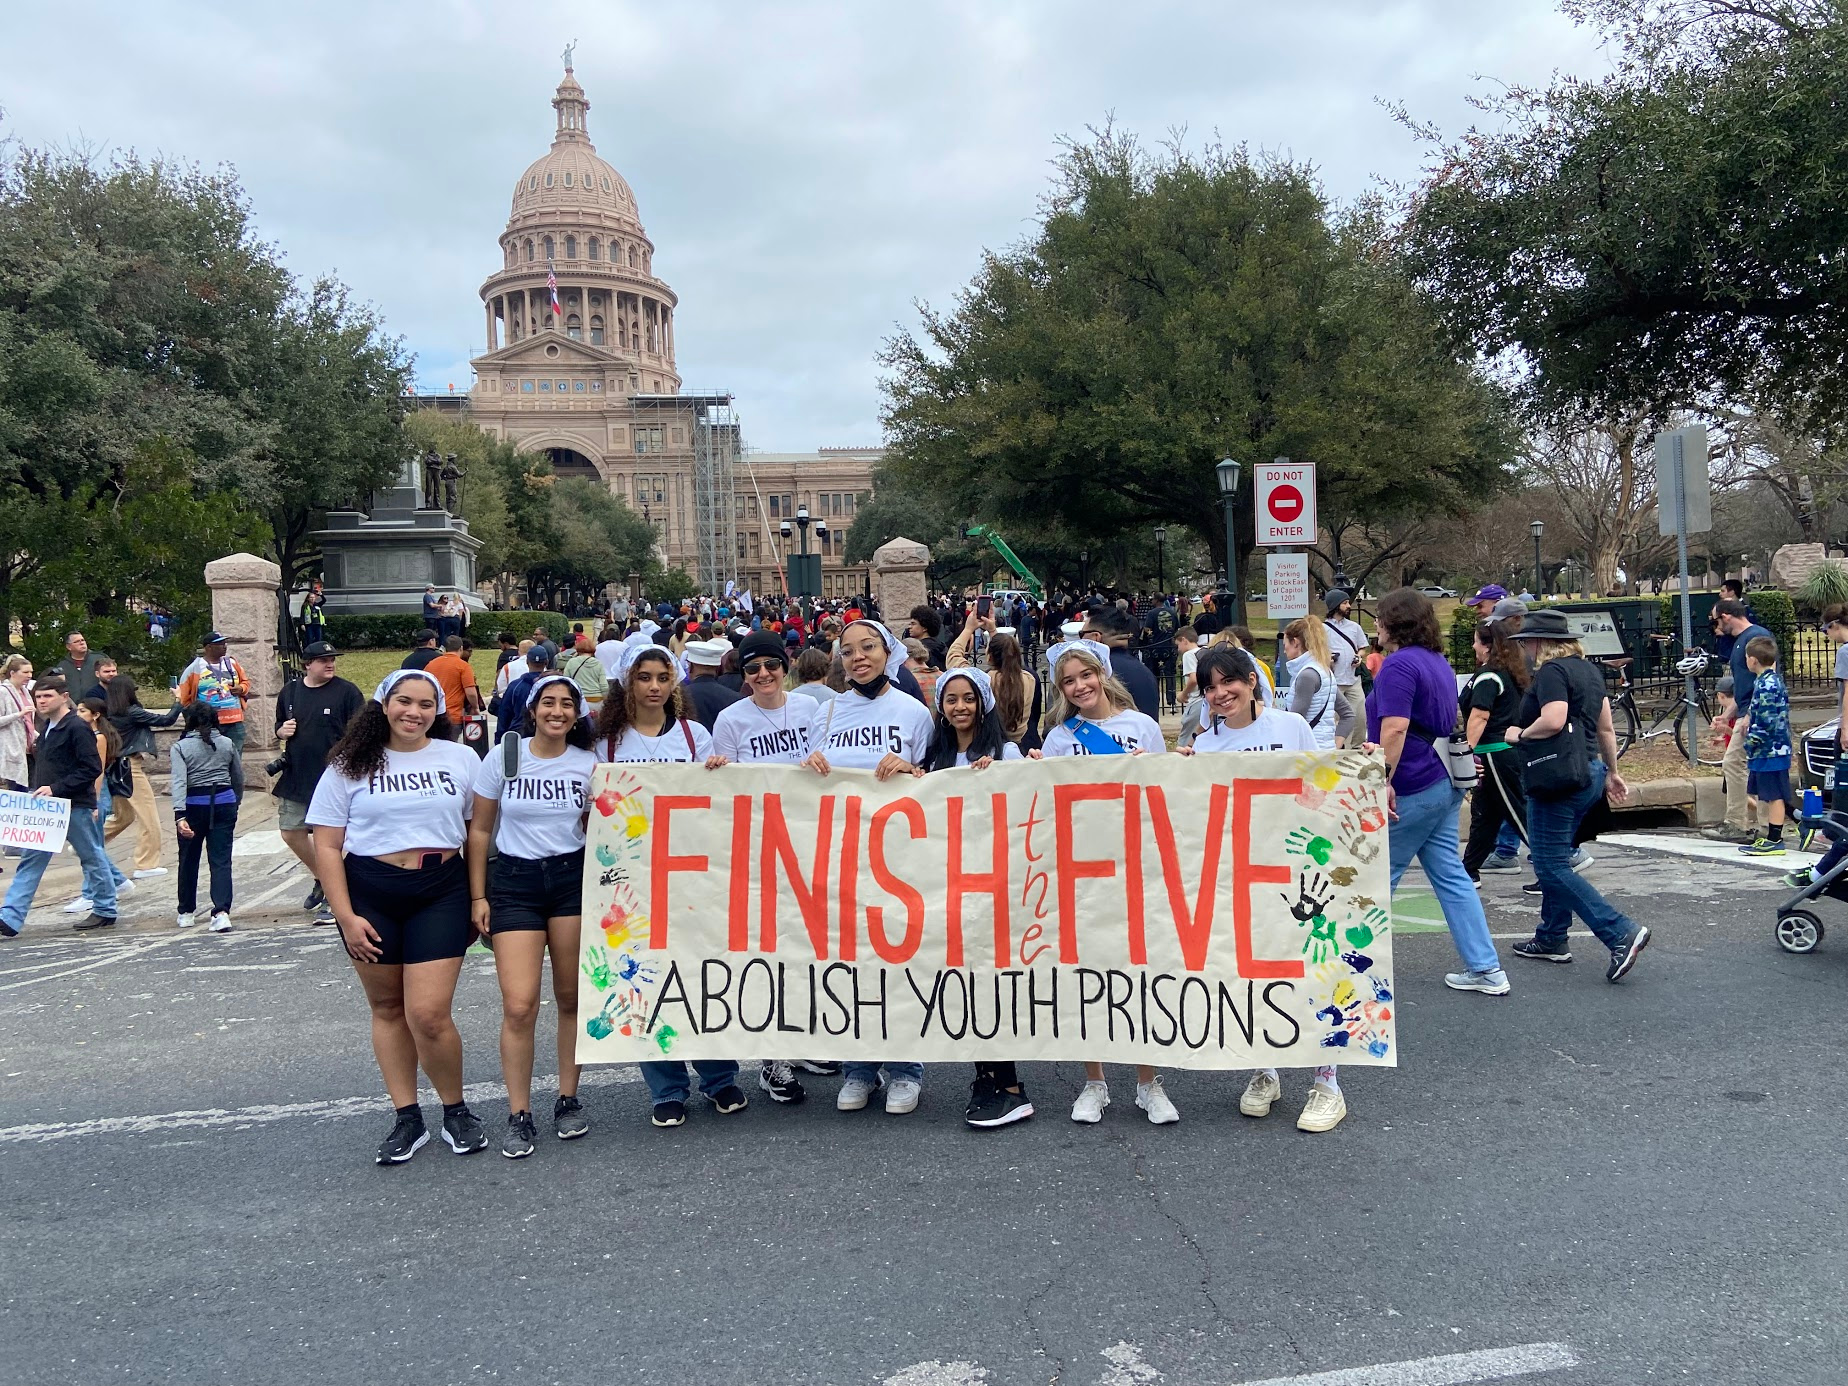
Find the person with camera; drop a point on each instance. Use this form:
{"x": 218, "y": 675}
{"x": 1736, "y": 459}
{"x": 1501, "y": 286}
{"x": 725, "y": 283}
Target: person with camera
{"x": 312, "y": 713}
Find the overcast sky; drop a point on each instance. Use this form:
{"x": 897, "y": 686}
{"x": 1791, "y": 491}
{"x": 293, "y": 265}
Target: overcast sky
{"x": 806, "y": 171}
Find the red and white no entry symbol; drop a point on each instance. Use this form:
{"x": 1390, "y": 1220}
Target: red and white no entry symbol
{"x": 1286, "y": 503}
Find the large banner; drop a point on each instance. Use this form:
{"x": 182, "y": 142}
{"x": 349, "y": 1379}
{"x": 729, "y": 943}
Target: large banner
{"x": 1213, "y": 911}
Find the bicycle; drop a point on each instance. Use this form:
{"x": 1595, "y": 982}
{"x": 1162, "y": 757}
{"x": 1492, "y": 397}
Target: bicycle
{"x": 1628, "y": 718}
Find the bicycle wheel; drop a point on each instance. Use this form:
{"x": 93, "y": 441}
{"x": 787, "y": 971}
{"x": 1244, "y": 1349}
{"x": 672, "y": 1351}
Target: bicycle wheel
{"x": 1708, "y": 756}
{"x": 1623, "y": 722}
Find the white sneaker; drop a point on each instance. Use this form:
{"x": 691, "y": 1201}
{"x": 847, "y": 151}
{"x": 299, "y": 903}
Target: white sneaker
{"x": 185, "y": 921}
{"x": 1092, "y": 1099}
{"x": 221, "y": 922}
{"x": 1492, "y": 983}
{"x": 1151, "y": 1097}
{"x": 1324, "y": 1109}
{"x": 854, "y": 1094}
{"x": 124, "y": 888}
{"x": 148, "y": 871}
{"x": 902, "y": 1096}
{"x": 1259, "y": 1094}
{"x": 81, "y": 905}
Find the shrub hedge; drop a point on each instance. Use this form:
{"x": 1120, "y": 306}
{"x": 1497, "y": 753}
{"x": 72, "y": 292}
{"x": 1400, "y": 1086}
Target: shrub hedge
{"x": 397, "y": 632}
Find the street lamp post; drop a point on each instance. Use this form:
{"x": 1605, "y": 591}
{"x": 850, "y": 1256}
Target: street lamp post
{"x": 803, "y": 580}
{"x": 1161, "y": 572}
{"x": 1084, "y": 572}
{"x": 1227, "y": 474}
{"x": 1537, "y": 528}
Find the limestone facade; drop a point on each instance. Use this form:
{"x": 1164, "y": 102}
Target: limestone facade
{"x": 581, "y": 366}
{"x": 245, "y": 612}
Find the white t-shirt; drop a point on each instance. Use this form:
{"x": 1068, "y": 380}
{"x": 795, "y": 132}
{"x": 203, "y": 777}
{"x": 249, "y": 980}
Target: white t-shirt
{"x": 1009, "y": 751}
{"x": 542, "y": 810}
{"x": 856, "y": 732}
{"x": 609, "y": 655}
{"x": 1131, "y": 730}
{"x": 746, "y": 732}
{"x": 1190, "y": 663}
{"x": 671, "y": 744}
{"x": 1273, "y": 729}
{"x": 419, "y": 799}
{"x": 1343, "y": 652}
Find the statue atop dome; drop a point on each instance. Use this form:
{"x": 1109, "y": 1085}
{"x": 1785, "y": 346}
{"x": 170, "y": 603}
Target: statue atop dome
{"x": 570, "y": 48}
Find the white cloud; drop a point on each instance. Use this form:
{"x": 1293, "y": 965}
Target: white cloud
{"x": 806, "y": 171}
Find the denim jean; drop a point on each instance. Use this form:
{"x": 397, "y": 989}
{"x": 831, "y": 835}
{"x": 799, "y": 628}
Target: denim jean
{"x": 667, "y": 1081}
{"x": 105, "y": 802}
{"x": 86, "y": 840}
{"x": 1563, "y": 892}
{"x": 869, "y": 1073}
{"x": 234, "y": 732}
{"x": 213, "y": 827}
{"x": 1507, "y": 841}
{"x": 1427, "y": 829}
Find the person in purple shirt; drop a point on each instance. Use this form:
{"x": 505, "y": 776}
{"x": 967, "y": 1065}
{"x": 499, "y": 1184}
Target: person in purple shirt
{"x": 1412, "y": 705}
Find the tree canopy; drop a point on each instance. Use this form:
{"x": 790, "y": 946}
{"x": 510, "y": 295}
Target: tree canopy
{"x": 1173, "y": 308}
{"x": 1670, "y": 237}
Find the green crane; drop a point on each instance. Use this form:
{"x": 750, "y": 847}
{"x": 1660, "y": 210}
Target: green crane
{"x": 1033, "y": 584}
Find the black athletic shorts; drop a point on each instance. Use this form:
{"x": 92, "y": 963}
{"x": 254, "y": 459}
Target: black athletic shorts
{"x": 524, "y": 893}
{"x": 420, "y": 916}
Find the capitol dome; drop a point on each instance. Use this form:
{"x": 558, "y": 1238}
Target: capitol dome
{"x": 571, "y": 182}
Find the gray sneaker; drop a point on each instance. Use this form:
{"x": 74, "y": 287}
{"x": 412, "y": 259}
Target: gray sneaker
{"x": 1725, "y": 832}
{"x": 1493, "y": 983}
{"x": 568, "y": 1119}
{"x": 517, "y": 1144}
{"x": 1498, "y": 862}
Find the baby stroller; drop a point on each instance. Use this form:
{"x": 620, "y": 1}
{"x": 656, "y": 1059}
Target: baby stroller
{"x": 1799, "y": 930}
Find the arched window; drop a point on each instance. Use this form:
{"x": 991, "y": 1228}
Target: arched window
{"x": 550, "y": 251}
{"x": 529, "y": 250}
{"x": 574, "y": 327}
{"x": 570, "y": 243}
{"x": 548, "y": 180}
{"x": 631, "y": 257}
{"x": 594, "y": 249}
{"x": 567, "y": 179}
{"x": 596, "y": 331}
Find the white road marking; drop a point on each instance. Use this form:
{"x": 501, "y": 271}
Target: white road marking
{"x": 243, "y": 967}
{"x": 934, "y": 1373}
{"x": 115, "y": 955}
{"x": 268, "y": 1114}
{"x": 263, "y": 842}
{"x": 1451, "y": 1369}
{"x": 1127, "y": 1367}
{"x": 291, "y": 879}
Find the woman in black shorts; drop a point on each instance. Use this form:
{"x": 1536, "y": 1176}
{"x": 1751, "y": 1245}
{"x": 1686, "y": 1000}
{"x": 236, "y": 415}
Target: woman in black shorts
{"x": 390, "y": 815}
{"x": 529, "y": 898}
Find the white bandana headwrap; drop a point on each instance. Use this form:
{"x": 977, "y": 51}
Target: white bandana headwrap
{"x": 398, "y": 676}
{"x": 895, "y": 648}
{"x": 545, "y": 680}
{"x": 1096, "y": 648}
{"x": 983, "y": 688}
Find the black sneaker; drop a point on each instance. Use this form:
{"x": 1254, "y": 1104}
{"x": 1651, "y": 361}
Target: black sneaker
{"x": 1530, "y": 888}
{"x": 464, "y": 1131}
{"x": 95, "y": 921}
{"x": 777, "y": 1078}
{"x": 670, "y": 1114}
{"x": 316, "y": 899}
{"x": 568, "y": 1119}
{"x": 7, "y": 930}
{"x": 517, "y": 1144}
{"x": 729, "y": 1099}
{"x": 990, "y": 1104}
{"x": 1624, "y": 958}
{"x": 1534, "y": 948}
{"x": 827, "y": 1068}
{"x": 407, "y": 1137}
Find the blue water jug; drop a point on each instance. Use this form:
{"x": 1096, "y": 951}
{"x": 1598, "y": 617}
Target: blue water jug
{"x": 1812, "y": 802}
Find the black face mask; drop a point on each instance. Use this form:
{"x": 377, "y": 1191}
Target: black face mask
{"x": 870, "y": 689}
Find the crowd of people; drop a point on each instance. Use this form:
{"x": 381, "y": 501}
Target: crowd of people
{"x": 420, "y": 844}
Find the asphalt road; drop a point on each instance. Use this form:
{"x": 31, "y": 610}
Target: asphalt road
{"x": 1578, "y": 1184}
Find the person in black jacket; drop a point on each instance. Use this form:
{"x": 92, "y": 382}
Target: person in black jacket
{"x": 708, "y": 696}
{"x": 1112, "y": 626}
{"x": 312, "y": 714}
{"x": 135, "y": 725}
{"x": 67, "y": 767}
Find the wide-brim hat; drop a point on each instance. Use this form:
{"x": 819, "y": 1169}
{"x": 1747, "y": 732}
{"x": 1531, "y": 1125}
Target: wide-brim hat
{"x": 1546, "y": 625}
{"x": 707, "y": 653}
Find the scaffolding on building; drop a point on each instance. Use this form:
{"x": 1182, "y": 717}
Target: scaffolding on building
{"x": 713, "y": 428}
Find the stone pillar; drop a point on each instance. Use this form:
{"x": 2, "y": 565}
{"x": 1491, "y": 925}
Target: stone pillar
{"x": 245, "y": 611}
{"x": 899, "y": 579}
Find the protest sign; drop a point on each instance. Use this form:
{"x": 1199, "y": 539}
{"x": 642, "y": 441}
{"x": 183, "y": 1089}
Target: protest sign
{"x": 1214, "y": 911}
{"x": 36, "y": 824}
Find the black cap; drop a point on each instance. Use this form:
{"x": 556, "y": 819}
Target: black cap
{"x": 763, "y": 644}
{"x": 319, "y": 650}
{"x": 540, "y": 656}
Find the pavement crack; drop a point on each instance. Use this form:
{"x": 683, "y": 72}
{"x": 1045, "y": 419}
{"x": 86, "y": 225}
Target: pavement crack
{"x": 1145, "y": 1176}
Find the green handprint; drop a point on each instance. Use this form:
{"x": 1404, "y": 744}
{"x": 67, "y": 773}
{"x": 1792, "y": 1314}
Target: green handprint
{"x": 1302, "y": 843}
{"x": 1373, "y": 923}
{"x": 597, "y": 968}
{"x": 598, "y": 1027}
{"x": 606, "y": 855}
{"x": 665, "y": 1037}
{"x": 1320, "y": 945}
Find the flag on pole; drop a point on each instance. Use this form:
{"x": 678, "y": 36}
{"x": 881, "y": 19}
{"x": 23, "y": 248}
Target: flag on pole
{"x": 551, "y": 284}
{"x": 744, "y": 601}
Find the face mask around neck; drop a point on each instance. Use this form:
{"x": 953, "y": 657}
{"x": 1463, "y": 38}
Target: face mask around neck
{"x": 872, "y": 689}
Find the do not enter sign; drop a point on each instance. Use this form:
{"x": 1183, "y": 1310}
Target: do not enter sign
{"x": 1286, "y": 502}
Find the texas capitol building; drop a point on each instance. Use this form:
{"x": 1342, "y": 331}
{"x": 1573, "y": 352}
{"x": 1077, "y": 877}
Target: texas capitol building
{"x": 596, "y": 389}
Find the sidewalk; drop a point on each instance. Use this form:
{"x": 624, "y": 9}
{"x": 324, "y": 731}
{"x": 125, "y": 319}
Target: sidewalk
{"x": 269, "y": 883}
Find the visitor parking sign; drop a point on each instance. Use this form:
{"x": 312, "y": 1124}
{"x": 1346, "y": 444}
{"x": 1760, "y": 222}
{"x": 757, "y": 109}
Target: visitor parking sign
{"x": 1286, "y": 502}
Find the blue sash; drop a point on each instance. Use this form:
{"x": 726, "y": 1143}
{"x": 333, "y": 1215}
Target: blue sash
{"x": 1095, "y": 740}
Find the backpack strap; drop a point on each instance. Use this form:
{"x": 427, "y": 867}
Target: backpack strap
{"x": 687, "y": 732}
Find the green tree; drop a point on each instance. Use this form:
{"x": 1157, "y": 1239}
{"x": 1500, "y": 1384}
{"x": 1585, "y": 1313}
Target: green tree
{"x": 489, "y": 466}
{"x": 1669, "y": 237}
{"x": 595, "y": 539}
{"x": 1174, "y": 308}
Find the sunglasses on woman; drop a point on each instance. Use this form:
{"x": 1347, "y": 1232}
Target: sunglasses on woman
{"x": 758, "y": 666}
